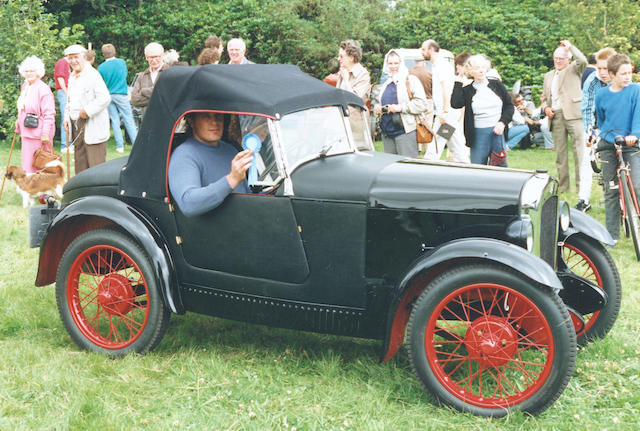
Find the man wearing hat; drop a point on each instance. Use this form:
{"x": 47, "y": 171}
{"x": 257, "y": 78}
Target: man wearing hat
{"x": 86, "y": 116}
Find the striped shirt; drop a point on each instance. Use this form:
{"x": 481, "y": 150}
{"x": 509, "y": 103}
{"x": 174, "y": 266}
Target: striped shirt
{"x": 588, "y": 106}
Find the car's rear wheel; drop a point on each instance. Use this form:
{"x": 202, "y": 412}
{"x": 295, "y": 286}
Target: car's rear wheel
{"x": 107, "y": 295}
{"x": 589, "y": 259}
{"x": 483, "y": 339}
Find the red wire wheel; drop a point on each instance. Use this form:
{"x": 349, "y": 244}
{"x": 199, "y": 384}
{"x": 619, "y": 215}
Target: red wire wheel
{"x": 483, "y": 339}
{"x": 587, "y": 258}
{"x": 108, "y": 297}
{"x": 107, "y": 294}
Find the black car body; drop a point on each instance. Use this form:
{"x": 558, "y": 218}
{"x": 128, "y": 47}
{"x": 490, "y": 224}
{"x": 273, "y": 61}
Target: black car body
{"x": 483, "y": 268}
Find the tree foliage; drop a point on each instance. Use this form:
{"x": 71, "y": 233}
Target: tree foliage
{"x": 518, "y": 35}
{"x": 26, "y": 29}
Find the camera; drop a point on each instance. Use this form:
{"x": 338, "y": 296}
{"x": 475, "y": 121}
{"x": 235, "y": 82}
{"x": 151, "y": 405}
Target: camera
{"x": 385, "y": 109}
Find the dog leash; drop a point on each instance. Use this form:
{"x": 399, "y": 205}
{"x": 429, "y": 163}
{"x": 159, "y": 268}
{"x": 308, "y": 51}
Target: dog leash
{"x": 4, "y": 177}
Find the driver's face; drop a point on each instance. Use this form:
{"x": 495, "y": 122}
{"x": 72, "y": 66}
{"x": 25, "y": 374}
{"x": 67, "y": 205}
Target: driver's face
{"x": 208, "y": 127}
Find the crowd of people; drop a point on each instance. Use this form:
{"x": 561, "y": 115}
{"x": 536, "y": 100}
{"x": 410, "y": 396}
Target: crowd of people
{"x": 92, "y": 101}
{"x": 465, "y": 106}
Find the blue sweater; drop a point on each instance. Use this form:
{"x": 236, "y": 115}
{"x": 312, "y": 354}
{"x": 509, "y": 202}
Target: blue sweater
{"x": 197, "y": 176}
{"x": 618, "y": 113}
{"x": 114, "y": 73}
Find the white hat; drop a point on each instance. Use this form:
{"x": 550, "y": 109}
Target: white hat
{"x": 74, "y": 49}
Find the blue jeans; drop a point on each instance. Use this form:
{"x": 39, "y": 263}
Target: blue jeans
{"x": 62, "y": 101}
{"x": 516, "y": 133}
{"x": 484, "y": 141}
{"x": 121, "y": 107}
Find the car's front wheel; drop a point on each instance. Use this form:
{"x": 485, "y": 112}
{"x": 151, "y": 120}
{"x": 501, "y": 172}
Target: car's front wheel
{"x": 589, "y": 259}
{"x": 107, "y": 295}
{"x": 483, "y": 339}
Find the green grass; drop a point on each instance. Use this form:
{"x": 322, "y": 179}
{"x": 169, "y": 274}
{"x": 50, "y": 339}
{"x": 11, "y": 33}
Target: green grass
{"x": 209, "y": 373}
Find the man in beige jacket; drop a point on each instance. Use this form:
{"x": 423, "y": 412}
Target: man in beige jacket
{"x": 563, "y": 94}
{"x": 86, "y": 116}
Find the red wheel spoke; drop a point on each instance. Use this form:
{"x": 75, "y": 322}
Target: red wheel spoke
{"x": 96, "y": 285}
{"x": 493, "y": 348}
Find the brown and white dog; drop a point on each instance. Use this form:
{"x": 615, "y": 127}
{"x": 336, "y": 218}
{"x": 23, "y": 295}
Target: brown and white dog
{"x": 50, "y": 179}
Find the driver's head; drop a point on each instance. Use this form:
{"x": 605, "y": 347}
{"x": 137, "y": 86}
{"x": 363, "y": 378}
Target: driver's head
{"x": 206, "y": 127}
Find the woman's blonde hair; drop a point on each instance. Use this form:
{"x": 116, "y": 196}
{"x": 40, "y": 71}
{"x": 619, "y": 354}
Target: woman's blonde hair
{"x": 476, "y": 61}
{"x": 32, "y": 63}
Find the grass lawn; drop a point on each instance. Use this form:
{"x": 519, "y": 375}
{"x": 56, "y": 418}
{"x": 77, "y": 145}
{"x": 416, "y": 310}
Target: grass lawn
{"x": 209, "y": 373}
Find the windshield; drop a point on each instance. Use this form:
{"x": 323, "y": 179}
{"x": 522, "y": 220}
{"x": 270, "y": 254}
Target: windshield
{"x": 313, "y": 133}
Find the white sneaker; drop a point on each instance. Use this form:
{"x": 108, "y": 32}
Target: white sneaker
{"x": 120, "y": 150}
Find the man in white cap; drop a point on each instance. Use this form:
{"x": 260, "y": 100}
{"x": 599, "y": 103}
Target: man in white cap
{"x": 145, "y": 81}
{"x": 86, "y": 117}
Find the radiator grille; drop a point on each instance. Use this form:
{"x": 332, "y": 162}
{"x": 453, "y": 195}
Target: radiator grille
{"x": 548, "y": 230}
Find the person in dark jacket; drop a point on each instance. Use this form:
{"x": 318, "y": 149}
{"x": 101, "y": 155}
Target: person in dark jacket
{"x": 489, "y": 109}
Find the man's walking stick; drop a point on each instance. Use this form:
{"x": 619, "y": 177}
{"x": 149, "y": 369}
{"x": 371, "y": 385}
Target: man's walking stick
{"x": 8, "y": 162}
{"x": 68, "y": 162}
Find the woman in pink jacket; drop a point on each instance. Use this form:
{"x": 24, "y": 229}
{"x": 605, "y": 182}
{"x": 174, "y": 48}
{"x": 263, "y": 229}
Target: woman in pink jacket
{"x": 35, "y": 98}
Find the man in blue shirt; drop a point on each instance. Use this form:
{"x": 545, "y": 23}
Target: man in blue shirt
{"x": 592, "y": 84}
{"x": 204, "y": 169}
{"x": 114, "y": 72}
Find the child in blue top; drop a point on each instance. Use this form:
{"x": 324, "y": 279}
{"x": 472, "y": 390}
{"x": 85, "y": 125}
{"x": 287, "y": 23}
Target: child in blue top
{"x": 618, "y": 113}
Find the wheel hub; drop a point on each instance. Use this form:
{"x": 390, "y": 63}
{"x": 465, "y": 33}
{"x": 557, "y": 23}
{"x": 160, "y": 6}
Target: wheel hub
{"x": 491, "y": 341}
{"x": 115, "y": 294}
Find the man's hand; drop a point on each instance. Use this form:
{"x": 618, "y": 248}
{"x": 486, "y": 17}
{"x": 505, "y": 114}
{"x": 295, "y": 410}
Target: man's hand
{"x": 499, "y": 128}
{"x": 548, "y": 111}
{"x": 83, "y": 114}
{"x": 442, "y": 119}
{"x": 239, "y": 166}
{"x": 65, "y": 125}
{"x": 631, "y": 140}
{"x": 565, "y": 44}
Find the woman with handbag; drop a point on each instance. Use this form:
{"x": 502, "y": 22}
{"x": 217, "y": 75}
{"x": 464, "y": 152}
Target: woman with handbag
{"x": 399, "y": 101}
{"x": 488, "y": 111}
{"x": 36, "y": 112}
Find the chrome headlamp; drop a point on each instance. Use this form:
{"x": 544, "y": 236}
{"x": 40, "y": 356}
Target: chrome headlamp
{"x": 564, "y": 217}
{"x": 521, "y": 230}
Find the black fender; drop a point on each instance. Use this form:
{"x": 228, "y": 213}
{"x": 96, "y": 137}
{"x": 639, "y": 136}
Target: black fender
{"x": 93, "y": 212}
{"x": 458, "y": 251}
{"x": 586, "y": 225}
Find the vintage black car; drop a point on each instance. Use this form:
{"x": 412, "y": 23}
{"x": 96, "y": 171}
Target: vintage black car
{"x": 489, "y": 279}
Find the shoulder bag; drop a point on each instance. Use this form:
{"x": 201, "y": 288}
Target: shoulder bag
{"x": 423, "y": 133}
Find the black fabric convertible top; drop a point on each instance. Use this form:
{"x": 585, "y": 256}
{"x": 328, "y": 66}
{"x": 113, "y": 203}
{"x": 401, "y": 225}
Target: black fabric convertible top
{"x": 270, "y": 90}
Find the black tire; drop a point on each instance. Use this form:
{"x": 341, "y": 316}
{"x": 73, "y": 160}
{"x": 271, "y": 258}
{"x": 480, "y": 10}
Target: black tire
{"x": 632, "y": 214}
{"x": 587, "y": 258}
{"x": 107, "y": 295}
{"x": 486, "y": 358}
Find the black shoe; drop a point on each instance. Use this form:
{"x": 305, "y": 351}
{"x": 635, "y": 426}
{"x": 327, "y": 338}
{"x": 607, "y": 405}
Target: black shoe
{"x": 583, "y": 206}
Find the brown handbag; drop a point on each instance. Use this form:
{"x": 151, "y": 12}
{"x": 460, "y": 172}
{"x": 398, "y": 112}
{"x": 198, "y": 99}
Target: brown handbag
{"x": 423, "y": 134}
{"x": 42, "y": 156}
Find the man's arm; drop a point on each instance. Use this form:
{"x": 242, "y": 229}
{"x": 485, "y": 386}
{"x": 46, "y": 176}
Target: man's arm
{"x": 635, "y": 113}
{"x": 101, "y": 99}
{"x": 588, "y": 104}
{"x": 581, "y": 61}
{"x": 194, "y": 198}
{"x": 63, "y": 85}
{"x": 140, "y": 96}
